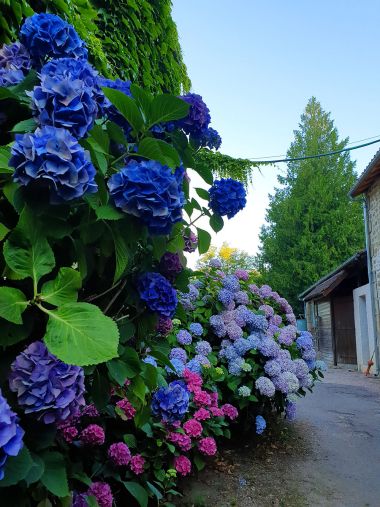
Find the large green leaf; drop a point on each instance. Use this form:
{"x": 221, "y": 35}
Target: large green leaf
{"x": 136, "y": 490}
{"x": 155, "y": 149}
{"x": 36, "y": 470}
{"x": 143, "y": 99}
{"x": 204, "y": 240}
{"x": 121, "y": 252}
{"x": 54, "y": 477}
{"x": 5, "y": 154}
{"x": 17, "y": 468}
{"x": 23, "y": 126}
{"x": 126, "y": 106}
{"x": 13, "y": 333}
{"x": 216, "y": 222}
{"x": 28, "y": 257}
{"x": 80, "y": 334}
{"x": 12, "y": 303}
{"x": 64, "y": 289}
{"x": 167, "y": 108}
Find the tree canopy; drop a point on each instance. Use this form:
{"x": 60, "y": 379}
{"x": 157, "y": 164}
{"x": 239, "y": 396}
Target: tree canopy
{"x": 231, "y": 258}
{"x": 312, "y": 225}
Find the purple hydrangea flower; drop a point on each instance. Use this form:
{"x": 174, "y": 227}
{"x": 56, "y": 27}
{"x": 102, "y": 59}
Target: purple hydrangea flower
{"x": 309, "y": 355}
{"x": 265, "y": 386}
{"x": 170, "y": 265}
{"x": 215, "y": 263}
{"x": 276, "y": 320}
{"x": 196, "y": 329}
{"x": 286, "y": 382}
{"x": 290, "y": 410}
{"x": 235, "y": 366}
{"x": 241, "y": 297}
{"x": 234, "y": 332}
{"x": 198, "y": 117}
{"x": 202, "y": 360}
{"x": 158, "y": 294}
{"x": 265, "y": 291}
{"x": 287, "y": 335}
{"x": 102, "y": 492}
{"x": 15, "y": 56}
{"x": 53, "y": 157}
{"x": 256, "y": 323}
{"x": 66, "y": 97}
{"x": 47, "y": 35}
{"x": 119, "y": 454}
{"x": 191, "y": 242}
{"x": 242, "y": 274}
{"x": 260, "y": 424}
{"x": 164, "y": 325}
{"x": 150, "y": 191}
{"x": 227, "y": 197}
{"x": 307, "y": 381}
{"x": 225, "y": 297}
{"x": 231, "y": 283}
{"x": 217, "y": 325}
{"x": 193, "y": 292}
{"x": 178, "y": 353}
{"x": 268, "y": 347}
{"x": 46, "y": 386}
{"x": 203, "y": 347}
{"x": 291, "y": 318}
{"x": 272, "y": 368}
{"x": 300, "y": 368}
{"x": 11, "y": 434}
{"x": 171, "y": 403}
{"x": 267, "y": 309}
{"x": 184, "y": 337}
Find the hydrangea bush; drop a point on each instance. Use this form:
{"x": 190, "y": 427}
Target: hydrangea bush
{"x": 109, "y": 392}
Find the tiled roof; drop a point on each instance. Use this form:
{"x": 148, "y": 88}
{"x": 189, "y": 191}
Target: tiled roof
{"x": 365, "y": 180}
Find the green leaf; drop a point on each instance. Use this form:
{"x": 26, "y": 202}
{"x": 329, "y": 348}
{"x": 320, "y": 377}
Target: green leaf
{"x": 12, "y": 304}
{"x": 23, "y": 126}
{"x": 29, "y": 257}
{"x": 154, "y": 490}
{"x": 100, "y": 390}
{"x": 167, "y": 108}
{"x": 116, "y": 133}
{"x": 120, "y": 371}
{"x": 64, "y": 289}
{"x": 199, "y": 462}
{"x": 132, "y": 360}
{"x": 5, "y": 154}
{"x": 108, "y": 212}
{"x": 216, "y": 222}
{"x": 161, "y": 357}
{"x": 155, "y": 149}
{"x": 138, "y": 388}
{"x": 138, "y": 492}
{"x": 121, "y": 252}
{"x": 130, "y": 440}
{"x": 150, "y": 375}
{"x": 17, "y": 468}
{"x": 143, "y": 99}
{"x": 12, "y": 333}
{"x": 204, "y": 172}
{"x": 127, "y": 330}
{"x": 203, "y": 194}
{"x": 36, "y": 470}
{"x": 54, "y": 477}
{"x": 80, "y": 334}
{"x": 126, "y": 106}
{"x": 204, "y": 240}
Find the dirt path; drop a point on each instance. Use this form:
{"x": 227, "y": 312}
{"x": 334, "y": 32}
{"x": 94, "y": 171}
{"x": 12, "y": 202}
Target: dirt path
{"x": 329, "y": 457}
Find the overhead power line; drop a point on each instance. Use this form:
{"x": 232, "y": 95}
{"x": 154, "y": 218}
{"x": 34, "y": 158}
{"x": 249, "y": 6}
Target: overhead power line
{"x": 319, "y": 155}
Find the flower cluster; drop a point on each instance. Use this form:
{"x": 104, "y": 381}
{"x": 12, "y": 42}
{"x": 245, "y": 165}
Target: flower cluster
{"x": 158, "y": 294}
{"x": 171, "y": 403}
{"x": 11, "y": 434}
{"x": 227, "y": 197}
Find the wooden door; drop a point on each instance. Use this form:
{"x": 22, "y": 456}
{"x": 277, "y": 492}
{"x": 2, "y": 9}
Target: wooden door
{"x": 344, "y": 329}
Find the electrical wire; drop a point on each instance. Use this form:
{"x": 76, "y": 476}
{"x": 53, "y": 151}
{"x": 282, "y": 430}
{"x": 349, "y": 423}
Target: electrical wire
{"x": 319, "y": 155}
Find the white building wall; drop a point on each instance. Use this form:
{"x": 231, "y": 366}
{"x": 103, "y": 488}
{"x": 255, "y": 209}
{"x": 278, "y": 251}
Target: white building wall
{"x": 365, "y": 337}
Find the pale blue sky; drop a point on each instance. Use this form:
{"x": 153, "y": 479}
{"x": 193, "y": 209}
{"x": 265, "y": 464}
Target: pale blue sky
{"x": 256, "y": 63}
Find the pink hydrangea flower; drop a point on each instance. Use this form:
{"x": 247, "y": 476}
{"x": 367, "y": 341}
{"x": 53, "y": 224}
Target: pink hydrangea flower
{"x": 230, "y": 411}
{"x": 202, "y": 414}
{"x": 216, "y": 411}
{"x": 137, "y": 464}
{"x": 193, "y": 380}
{"x": 183, "y": 441}
{"x": 202, "y": 398}
{"x": 193, "y": 428}
{"x": 69, "y": 434}
{"x": 127, "y": 408}
{"x": 183, "y": 465}
{"x": 207, "y": 446}
{"x": 102, "y": 492}
{"x": 214, "y": 398}
{"x": 90, "y": 411}
{"x": 119, "y": 454}
{"x": 93, "y": 435}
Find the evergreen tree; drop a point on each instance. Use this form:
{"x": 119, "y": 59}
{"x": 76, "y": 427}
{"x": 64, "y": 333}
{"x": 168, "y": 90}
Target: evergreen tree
{"x": 312, "y": 225}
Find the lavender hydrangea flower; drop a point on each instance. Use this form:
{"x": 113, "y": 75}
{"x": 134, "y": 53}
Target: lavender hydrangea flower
{"x": 225, "y": 297}
{"x": 254, "y": 341}
{"x": 11, "y": 434}
{"x": 234, "y": 331}
{"x": 230, "y": 353}
{"x": 196, "y": 329}
{"x": 171, "y": 403}
{"x": 194, "y": 366}
{"x": 150, "y": 191}
{"x": 53, "y": 157}
{"x": 231, "y": 283}
{"x": 184, "y": 337}
{"x": 287, "y": 335}
{"x": 307, "y": 381}
{"x": 242, "y": 274}
{"x": 217, "y": 325}
{"x": 46, "y": 386}
{"x": 242, "y": 346}
{"x": 256, "y": 322}
{"x": 235, "y": 366}
{"x": 241, "y": 297}
{"x": 275, "y": 320}
{"x": 286, "y": 382}
{"x": 198, "y": 117}
{"x": 158, "y": 294}
{"x": 290, "y": 410}
{"x": 267, "y": 309}
{"x": 265, "y": 386}
{"x": 265, "y": 291}
{"x": 203, "y": 347}
{"x": 272, "y": 368}
{"x": 268, "y": 347}
{"x": 300, "y": 368}
{"x": 215, "y": 263}
{"x": 178, "y": 353}
{"x": 15, "y": 56}
{"x": 47, "y": 35}
{"x": 227, "y": 197}
{"x": 260, "y": 424}
{"x": 202, "y": 360}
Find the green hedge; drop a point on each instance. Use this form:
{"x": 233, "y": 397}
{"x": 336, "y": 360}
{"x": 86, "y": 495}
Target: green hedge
{"x": 130, "y": 39}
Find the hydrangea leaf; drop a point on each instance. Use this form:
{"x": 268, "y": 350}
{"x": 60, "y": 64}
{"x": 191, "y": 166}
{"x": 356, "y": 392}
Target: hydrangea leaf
{"x": 12, "y": 304}
{"x": 155, "y": 149}
{"x": 64, "y": 289}
{"x": 108, "y": 212}
{"x": 216, "y": 222}
{"x": 5, "y": 154}
{"x": 204, "y": 240}
{"x": 138, "y": 492}
{"x": 36, "y": 470}
{"x": 167, "y": 108}
{"x": 120, "y": 371}
{"x": 126, "y": 106}
{"x": 203, "y": 194}
{"x": 143, "y": 99}
{"x": 80, "y": 334}
{"x": 17, "y": 468}
{"x": 121, "y": 252}
{"x": 54, "y": 477}
{"x": 23, "y": 126}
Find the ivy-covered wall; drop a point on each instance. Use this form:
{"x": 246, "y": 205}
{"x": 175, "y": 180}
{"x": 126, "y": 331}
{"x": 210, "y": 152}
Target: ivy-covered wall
{"x": 130, "y": 39}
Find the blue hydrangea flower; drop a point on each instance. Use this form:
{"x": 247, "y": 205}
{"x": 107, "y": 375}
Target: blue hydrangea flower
{"x": 158, "y": 294}
{"x": 286, "y": 382}
{"x": 47, "y": 35}
{"x": 11, "y": 434}
{"x": 290, "y": 410}
{"x": 305, "y": 341}
{"x": 53, "y": 157}
{"x": 66, "y": 97}
{"x": 184, "y": 337}
{"x": 225, "y": 297}
{"x": 196, "y": 329}
{"x": 178, "y": 353}
{"x": 234, "y": 331}
{"x": 235, "y": 366}
{"x": 230, "y": 353}
{"x": 202, "y": 360}
{"x": 254, "y": 341}
{"x": 151, "y": 192}
{"x": 108, "y": 108}
{"x": 178, "y": 367}
{"x": 307, "y": 381}
{"x": 215, "y": 263}
{"x": 217, "y": 325}
{"x": 287, "y": 335}
{"x": 268, "y": 347}
{"x": 260, "y": 424}
{"x": 46, "y": 386}
{"x": 171, "y": 403}
{"x": 193, "y": 292}
{"x": 231, "y": 283}
{"x": 10, "y": 77}
{"x": 256, "y": 323}
{"x": 242, "y": 346}
{"x": 300, "y": 368}
{"x": 203, "y": 347}
{"x": 241, "y": 297}
{"x": 320, "y": 365}
{"x": 227, "y": 197}
{"x": 272, "y": 368}
{"x": 194, "y": 366}
{"x": 309, "y": 356}
{"x": 150, "y": 360}
{"x": 15, "y": 57}
{"x": 198, "y": 117}
{"x": 244, "y": 391}
{"x": 210, "y": 138}
{"x": 265, "y": 386}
